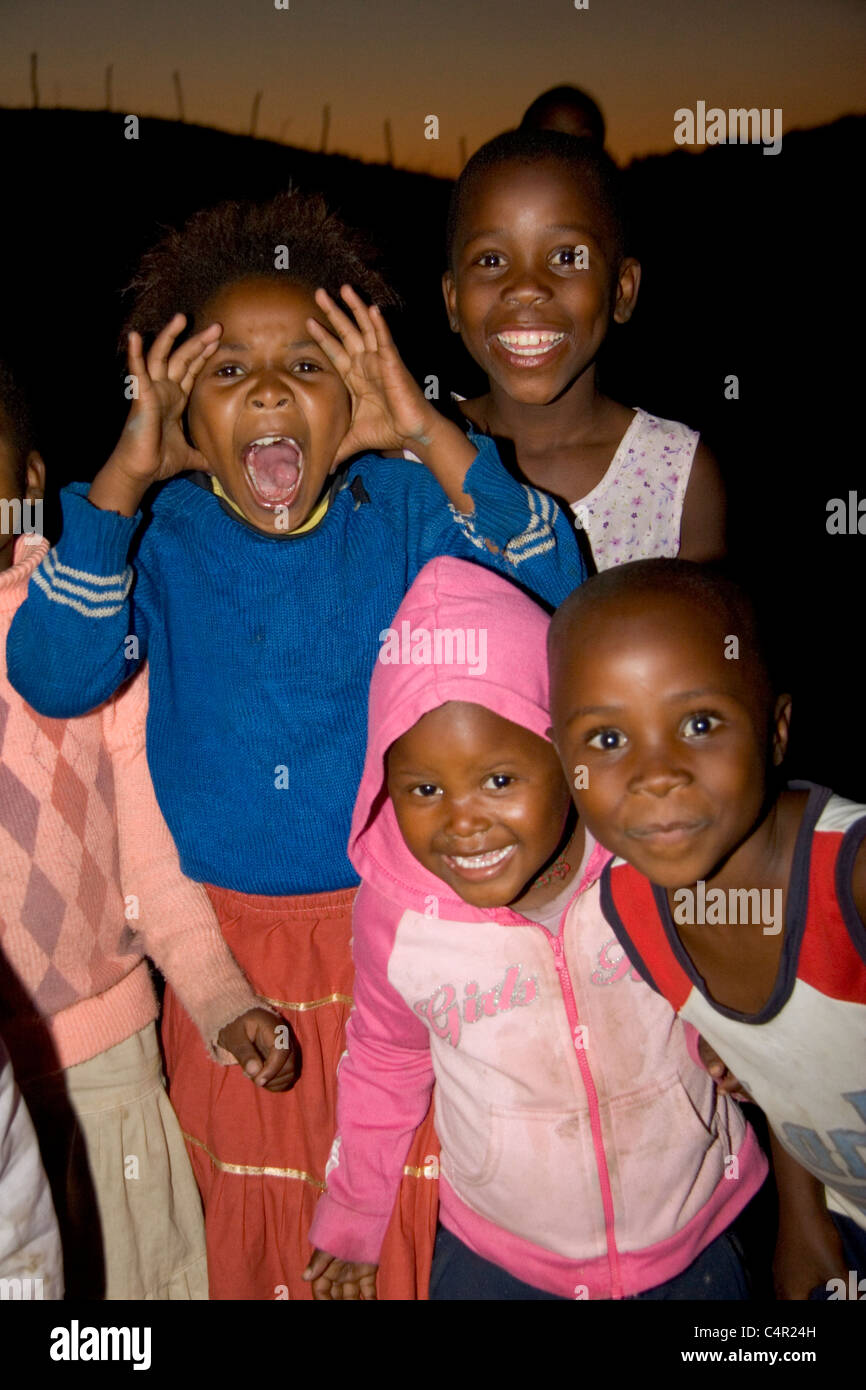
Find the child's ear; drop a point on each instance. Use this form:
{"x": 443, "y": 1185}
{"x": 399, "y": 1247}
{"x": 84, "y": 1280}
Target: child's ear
{"x": 781, "y": 728}
{"x": 627, "y": 286}
{"x": 34, "y": 476}
{"x": 449, "y": 291}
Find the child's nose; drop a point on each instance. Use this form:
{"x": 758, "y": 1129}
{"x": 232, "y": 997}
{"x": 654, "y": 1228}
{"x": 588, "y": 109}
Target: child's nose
{"x": 466, "y": 818}
{"x": 658, "y": 774}
{"x": 270, "y": 392}
{"x": 526, "y": 288}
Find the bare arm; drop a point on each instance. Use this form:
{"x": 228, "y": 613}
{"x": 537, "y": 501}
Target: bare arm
{"x": 808, "y": 1249}
{"x": 702, "y": 530}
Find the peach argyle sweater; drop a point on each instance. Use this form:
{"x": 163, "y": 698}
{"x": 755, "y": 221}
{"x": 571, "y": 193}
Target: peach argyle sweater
{"x": 90, "y": 880}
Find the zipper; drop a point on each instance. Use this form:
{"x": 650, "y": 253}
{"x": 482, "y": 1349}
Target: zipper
{"x": 567, "y": 989}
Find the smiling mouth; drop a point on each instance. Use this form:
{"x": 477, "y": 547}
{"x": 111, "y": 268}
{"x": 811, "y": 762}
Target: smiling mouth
{"x": 273, "y": 466}
{"x": 484, "y": 865}
{"x": 529, "y": 346}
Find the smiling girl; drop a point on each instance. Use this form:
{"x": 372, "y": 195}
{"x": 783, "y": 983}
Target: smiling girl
{"x": 585, "y": 1153}
{"x": 537, "y": 276}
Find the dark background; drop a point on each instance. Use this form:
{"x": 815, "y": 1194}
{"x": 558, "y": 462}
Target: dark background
{"x": 750, "y": 268}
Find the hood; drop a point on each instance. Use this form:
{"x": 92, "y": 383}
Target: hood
{"x": 461, "y": 633}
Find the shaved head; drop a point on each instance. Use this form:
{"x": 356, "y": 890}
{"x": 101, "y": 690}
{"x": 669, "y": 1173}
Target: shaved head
{"x": 646, "y": 582}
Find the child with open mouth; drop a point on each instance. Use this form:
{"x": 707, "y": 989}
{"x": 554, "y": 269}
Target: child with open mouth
{"x": 257, "y": 588}
{"x": 585, "y": 1153}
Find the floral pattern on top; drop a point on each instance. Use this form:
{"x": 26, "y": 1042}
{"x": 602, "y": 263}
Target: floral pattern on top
{"x": 634, "y": 513}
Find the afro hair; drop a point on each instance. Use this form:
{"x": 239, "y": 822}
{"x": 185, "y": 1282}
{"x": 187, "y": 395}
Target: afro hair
{"x": 238, "y": 240}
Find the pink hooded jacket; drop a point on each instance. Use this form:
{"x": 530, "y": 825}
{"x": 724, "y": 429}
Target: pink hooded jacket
{"x": 583, "y": 1149}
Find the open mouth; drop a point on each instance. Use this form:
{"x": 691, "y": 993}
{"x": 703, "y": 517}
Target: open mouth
{"x": 273, "y": 466}
{"x": 529, "y": 347}
{"x": 484, "y": 865}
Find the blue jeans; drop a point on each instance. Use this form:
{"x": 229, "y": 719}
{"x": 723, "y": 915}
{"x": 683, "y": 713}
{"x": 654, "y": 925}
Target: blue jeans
{"x": 459, "y": 1274}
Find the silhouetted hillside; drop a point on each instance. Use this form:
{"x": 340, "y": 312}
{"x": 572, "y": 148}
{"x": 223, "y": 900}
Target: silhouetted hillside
{"x": 745, "y": 273}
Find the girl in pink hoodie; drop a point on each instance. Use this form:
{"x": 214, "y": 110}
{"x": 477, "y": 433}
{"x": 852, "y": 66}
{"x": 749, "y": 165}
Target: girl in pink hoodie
{"x": 586, "y": 1153}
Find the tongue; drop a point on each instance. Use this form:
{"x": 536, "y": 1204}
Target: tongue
{"x": 273, "y": 469}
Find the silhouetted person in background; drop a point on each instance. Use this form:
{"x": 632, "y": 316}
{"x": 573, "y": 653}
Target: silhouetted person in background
{"x": 567, "y": 109}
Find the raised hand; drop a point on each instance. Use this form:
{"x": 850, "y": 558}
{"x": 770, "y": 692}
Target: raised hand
{"x": 340, "y": 1280}
{"x": 154, "y": 426}
{"x": 265, "y": 1047}
{"x": 389, "y": 411}
{"x": 152, "y": 446}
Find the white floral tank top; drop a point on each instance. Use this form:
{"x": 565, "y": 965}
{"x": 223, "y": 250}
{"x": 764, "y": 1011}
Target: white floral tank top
{"x": 634, "y": 513}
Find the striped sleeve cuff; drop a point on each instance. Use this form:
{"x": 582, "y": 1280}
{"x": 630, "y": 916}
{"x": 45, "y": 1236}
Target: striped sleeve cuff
{"x": 87, "y": 570}
{"x": 519, "y": 520}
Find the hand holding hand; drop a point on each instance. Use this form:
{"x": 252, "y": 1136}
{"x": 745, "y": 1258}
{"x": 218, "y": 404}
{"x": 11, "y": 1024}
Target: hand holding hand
{"x": 265, "y": 1047}
{"x": 340, "y": 1280}
{"x": 389, "y": 410}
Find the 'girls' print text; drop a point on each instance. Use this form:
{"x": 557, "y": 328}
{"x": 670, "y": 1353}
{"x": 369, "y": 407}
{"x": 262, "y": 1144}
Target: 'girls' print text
{"x": 446, "y": 1014}
{"x": 613, "y": 965}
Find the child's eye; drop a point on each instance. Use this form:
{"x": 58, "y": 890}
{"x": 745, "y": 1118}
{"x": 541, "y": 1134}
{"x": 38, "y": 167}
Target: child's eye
{"x": 229, "y": 369}
{"x": 564, "y": 256}
{"x": 698, "y": 725}
{"x": 425, "y": 789}
{"x": 490, "y": 260}
{"x": 307, "y": 366}
{"x": 607, "y": 740}
{"x": 498, "y": 781}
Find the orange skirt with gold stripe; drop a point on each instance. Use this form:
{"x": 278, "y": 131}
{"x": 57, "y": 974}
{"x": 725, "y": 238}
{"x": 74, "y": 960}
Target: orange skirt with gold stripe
{"x": 259, "y": 1158}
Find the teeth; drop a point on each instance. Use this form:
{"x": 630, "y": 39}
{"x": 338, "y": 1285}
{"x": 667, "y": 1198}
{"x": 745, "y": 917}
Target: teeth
{"x": 481, "y": 861}
{"x": 529, "y": 344}
{"x": 271, "y": 439}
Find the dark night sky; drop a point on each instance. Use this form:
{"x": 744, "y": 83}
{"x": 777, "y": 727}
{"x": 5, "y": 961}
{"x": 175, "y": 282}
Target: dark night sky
{"x": 475, "y": 64}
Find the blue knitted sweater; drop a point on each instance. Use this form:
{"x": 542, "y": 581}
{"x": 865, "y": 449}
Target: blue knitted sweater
{"x": 260, "y": 648}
